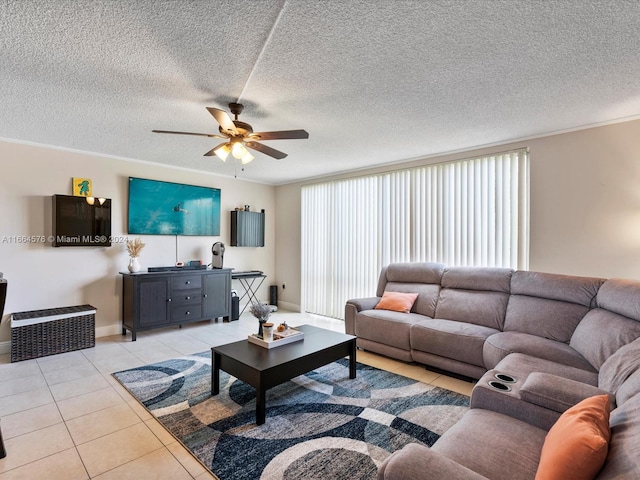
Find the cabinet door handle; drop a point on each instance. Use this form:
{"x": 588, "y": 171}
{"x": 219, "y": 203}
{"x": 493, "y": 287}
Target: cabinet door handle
{"x": 188, "y": 282}
{"x": 205, "y": 295}
{"x": 188, "y": 298}
{"x": 188, "y": 313}
{"x": 168, "y": 299}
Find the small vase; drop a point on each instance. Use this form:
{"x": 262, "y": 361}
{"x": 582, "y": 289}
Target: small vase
{"x": 134, "y": 265}
{"x": 261, "y": 322}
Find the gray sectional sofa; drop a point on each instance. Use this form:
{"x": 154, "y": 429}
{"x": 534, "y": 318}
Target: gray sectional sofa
{"x": 538, "y": 344}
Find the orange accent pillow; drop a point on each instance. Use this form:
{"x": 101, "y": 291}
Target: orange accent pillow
{"x": 396, "y": 301}
{"x": 576, "y": 446}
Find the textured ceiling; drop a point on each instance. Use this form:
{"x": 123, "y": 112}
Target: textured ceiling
{"x": 373, "y": 82}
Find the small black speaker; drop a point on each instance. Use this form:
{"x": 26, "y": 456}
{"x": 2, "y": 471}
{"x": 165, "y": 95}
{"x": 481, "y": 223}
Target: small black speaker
{"x": 235, "y": 307}
{"x": 273, "y": 295}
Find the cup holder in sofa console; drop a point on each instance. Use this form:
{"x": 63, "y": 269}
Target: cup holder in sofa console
{"x": 505, "y": 378}
{"x": 499, "y": 386}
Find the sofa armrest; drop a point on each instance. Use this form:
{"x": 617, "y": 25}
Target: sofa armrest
{"x": 354, "y": 306}
{"x": 557, "y": 393}
{"x": 416, "y": 461}
{"x": 364, "y": 303}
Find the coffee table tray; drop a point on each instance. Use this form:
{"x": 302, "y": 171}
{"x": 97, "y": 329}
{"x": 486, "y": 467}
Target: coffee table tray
{"x": 277, "y": 339}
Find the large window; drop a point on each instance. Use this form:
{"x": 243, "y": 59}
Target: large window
{"x": 471, "y": 212}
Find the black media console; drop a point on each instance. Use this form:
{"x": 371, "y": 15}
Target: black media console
{"x": 161, "y": 299}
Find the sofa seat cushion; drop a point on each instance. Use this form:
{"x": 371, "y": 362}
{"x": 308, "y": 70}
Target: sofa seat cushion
{"x": 387, "y": 327}
{"x": 416, "y": 461}
{"x": 494, "y": 445}
{"x": 451, "y": 339}
{"x": 623, "y": 459}
{"x": 501, "y": 344}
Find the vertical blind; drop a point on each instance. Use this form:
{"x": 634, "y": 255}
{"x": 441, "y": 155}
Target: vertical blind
{"x": 471, "y": 212}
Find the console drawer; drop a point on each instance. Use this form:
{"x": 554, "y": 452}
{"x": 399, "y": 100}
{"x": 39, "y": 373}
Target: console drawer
{"x": 186, "y": 313}
{"x": 186, "y": 282}
{"x": 187, "y": 297}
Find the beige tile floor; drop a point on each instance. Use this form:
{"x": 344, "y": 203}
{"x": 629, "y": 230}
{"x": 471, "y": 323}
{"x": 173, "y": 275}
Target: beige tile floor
{"x": 65, "y": 417}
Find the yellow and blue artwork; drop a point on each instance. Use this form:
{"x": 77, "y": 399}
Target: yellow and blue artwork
{"x": 82, "y": 187}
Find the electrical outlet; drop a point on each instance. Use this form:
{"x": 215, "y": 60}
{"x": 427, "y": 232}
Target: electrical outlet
{"x": 283, "y": 286}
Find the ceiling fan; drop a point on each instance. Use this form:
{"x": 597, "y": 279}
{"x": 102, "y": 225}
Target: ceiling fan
{"x": 240, "y": 136}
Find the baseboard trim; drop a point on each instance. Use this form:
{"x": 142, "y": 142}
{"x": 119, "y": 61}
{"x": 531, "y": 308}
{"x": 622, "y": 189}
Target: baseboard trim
{"x": 291, "y": 307}
{"x": 109, "y": 330}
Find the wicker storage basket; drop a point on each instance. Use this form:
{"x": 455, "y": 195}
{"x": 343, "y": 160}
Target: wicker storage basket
{"x": 39, "y": 333}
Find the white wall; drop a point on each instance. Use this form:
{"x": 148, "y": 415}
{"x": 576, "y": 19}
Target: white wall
{"x": 287, "y": 249}
{"x": 585, "y": 205}
{"x": 41, "y": 276}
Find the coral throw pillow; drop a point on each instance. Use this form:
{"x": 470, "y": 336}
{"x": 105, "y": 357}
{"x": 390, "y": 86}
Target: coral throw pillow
{"x": 396, "y": 301}
{"x": 576, "y": 445}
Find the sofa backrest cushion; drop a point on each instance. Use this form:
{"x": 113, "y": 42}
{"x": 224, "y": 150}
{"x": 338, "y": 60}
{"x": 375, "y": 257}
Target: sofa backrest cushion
{"x": 601, "y": 333}
{"x": 623, "y": 459}
{"x": 629, "y": 388}
{"x": 477, "y": 278}
{"x": 621, "y": 297}
{"x": 421, "y": 278}
{"x": 549, "y": 305}
{"x": 619, "y": 367}
{"x": 475, "y": 295}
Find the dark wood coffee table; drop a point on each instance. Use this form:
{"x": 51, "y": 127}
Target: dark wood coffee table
{"x": 264, "y": 368}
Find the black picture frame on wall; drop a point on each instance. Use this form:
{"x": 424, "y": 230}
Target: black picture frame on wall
{"x": 156, "y": 207}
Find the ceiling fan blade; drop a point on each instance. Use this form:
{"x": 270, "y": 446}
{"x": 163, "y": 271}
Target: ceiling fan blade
{"x": 212, "y": 152}
{"x": 281, "y": 135}
{"x": 211, "y": 135}
{"x": 223, "y": 119}
{"x": 272, "y": 152}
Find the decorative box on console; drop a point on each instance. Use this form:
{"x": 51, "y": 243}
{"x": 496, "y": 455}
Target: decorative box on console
{"x": 39, "y": 333}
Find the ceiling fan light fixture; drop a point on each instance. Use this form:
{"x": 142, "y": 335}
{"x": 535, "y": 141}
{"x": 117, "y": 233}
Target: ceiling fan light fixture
{"x": 238, "y": 150}
{"x": 237, "y": 133}
{"x": 246, "y": 158}
{"x": 222, "y": 152}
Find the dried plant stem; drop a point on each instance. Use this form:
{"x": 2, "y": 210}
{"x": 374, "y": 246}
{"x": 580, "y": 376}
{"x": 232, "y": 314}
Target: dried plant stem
{"x": 134, "y": 247}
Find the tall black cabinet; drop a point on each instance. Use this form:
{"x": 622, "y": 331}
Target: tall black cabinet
{"x": 160, "y": 299}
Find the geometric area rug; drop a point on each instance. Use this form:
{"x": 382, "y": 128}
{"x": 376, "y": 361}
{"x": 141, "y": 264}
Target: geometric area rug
{"x": 321, "y": 425}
